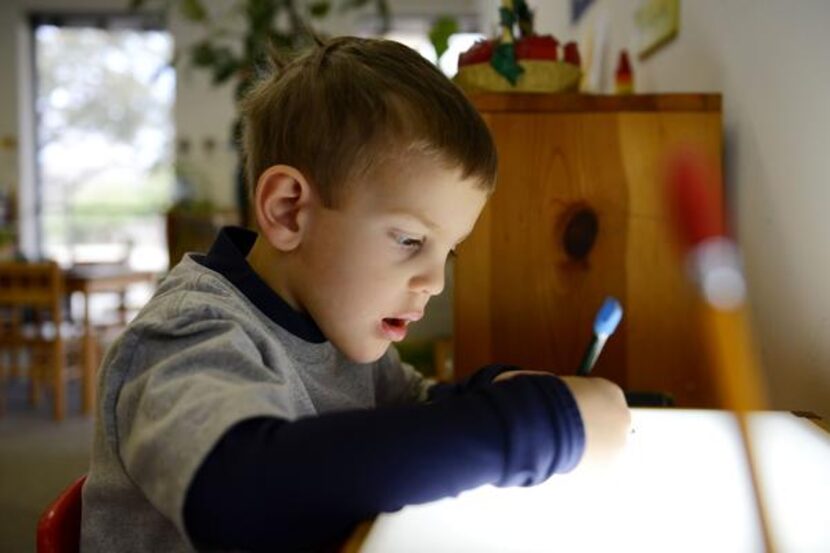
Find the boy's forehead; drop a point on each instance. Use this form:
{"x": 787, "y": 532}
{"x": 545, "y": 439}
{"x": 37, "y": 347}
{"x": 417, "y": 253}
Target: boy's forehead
{"x": 405, "y": 177}
{"x": 436, "y": 197}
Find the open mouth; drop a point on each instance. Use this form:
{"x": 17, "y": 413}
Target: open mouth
{"x": 394, "y": 329}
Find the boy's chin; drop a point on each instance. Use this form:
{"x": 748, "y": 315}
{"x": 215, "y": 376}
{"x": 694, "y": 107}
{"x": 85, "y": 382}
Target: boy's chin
{"x": 363, "y": 353}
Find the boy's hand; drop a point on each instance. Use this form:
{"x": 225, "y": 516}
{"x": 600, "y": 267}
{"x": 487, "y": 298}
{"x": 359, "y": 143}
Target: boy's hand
{"x": 605, "y": 415}
{"x": 604, "y": 411}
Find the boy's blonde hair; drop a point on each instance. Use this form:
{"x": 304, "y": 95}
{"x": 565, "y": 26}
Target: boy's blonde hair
{"x": 352, "y": 104}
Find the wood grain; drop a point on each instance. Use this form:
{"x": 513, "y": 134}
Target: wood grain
{"x": 593, "y": 103}
{"x": 521, "y": 299}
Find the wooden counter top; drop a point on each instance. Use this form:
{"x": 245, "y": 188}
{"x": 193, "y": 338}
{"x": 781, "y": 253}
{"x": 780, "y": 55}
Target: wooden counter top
{"x": 574, "y": 102}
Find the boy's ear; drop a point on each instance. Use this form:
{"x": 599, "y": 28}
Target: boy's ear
{"x": 282, "y": 203}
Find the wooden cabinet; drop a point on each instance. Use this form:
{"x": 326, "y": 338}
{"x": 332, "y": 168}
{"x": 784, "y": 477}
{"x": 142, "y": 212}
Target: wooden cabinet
{"x": 579, "y": 214}
{"x": 195, "y": 231}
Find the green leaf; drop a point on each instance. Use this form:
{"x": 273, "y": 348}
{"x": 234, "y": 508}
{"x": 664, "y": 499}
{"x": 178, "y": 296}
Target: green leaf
{"x": 261, "y": 13}
{"x": 224, "y": 70}
{"x": 440, "y": 33}
{"x": 135, "y": 4}
{"x": 193, "y": 10}
{"x": 504, "y": 61}
{"x": 203, "y": 54}
{"x": 384, "y": 17}
{"x": 225, "y": 64}
{"x": 352, "y": 4}
{"x": 525, "y": 17}
{"x": 279, "y": 40}
{"x": 506, "y": 17}
{"x": 320, "y": 9}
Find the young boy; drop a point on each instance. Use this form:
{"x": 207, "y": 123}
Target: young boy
{"x": 255, "y": 403}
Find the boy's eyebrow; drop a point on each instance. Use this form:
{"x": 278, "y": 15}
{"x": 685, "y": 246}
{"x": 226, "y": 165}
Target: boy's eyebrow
{"x": 423, "y": 219}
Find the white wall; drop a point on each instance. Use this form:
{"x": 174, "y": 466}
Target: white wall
{"x": 771, "y": 61}
{"x": 204, "y": 113}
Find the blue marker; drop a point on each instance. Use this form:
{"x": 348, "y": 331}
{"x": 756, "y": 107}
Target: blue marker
{"x": 608, "y": 317}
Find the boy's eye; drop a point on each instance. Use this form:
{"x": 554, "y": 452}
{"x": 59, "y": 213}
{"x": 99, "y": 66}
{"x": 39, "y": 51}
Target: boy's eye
{"x": 408, "y": 242}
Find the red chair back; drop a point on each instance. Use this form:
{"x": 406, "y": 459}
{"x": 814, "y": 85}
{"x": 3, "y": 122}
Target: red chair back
{"x": 59, "y": 527}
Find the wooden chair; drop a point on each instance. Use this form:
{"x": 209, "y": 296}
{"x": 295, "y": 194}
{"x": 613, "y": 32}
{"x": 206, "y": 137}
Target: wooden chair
{"x": 59, "y": 527}
{"x": 32, "y": 329}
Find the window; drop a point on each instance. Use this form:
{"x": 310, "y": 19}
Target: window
{"x": 104, "y": 94}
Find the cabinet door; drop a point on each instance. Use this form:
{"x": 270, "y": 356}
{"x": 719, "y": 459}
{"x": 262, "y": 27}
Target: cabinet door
{"x": 578, "y": 215}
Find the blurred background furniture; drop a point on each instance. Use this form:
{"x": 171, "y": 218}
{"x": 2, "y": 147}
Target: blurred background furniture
{"x": 578, "y": 215}
{"x": 34, "y": 334}
{"x": 193, "y": 230}
{"x": 38, "y": 337}
{"x": 94, "y": 278}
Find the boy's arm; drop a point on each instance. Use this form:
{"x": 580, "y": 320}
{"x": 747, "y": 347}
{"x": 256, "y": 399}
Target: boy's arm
{"x": 482, "y": 377}
{"x": 274, "y": 484}
{"x": 398, "y": 383}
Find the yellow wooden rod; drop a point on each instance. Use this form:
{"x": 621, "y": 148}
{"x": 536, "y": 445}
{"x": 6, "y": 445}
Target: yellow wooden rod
{"x": 718, "y": 275}
{"x": 735, "y": 372}
{"x": 733, "y": 357}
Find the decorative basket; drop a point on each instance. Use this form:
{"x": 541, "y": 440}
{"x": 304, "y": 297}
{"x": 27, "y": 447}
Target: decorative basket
{"x": 519, "y": 60}
{"x": 538, "y": 76}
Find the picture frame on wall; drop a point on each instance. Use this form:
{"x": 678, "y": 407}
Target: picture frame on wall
{"x": 657, "y": 23}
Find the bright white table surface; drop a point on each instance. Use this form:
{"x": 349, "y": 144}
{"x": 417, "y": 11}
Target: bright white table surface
{"x": 681, "y": 485}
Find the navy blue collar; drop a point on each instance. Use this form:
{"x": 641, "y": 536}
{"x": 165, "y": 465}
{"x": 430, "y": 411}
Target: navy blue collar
{"x": 227, "y": 257}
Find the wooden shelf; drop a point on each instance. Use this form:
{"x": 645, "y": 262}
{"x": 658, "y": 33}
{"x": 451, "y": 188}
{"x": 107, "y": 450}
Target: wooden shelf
{"x": 574, "y": 103}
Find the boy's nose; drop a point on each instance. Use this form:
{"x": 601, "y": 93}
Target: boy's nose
{"x": 430, "y": 281}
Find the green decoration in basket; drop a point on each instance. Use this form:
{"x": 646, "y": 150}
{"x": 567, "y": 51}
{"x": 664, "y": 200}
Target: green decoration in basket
{"x": 519, "y": 60}
{"x": 504, "y": 55}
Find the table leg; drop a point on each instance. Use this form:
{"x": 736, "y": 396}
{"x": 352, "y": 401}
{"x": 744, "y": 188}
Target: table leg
{"x": 87, "y": 361}
{"x": 122, "y": 306}
{"x": 58, "y": 363}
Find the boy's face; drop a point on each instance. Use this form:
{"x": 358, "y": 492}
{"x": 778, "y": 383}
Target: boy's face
{"x": 368, "y": 268}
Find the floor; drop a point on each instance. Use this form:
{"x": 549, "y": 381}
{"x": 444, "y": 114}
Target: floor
{"x": 38, "y": 459}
